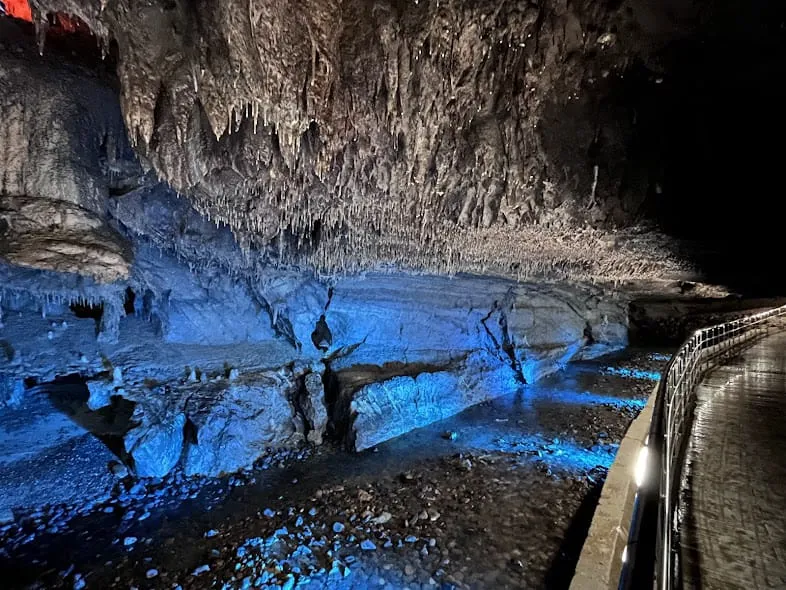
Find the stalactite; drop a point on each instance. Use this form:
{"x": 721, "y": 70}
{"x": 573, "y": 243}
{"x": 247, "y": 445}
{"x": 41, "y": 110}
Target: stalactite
{"x": 427, "y": 152}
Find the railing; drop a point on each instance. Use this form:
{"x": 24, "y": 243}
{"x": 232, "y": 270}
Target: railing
{"x": 671, "y": 426}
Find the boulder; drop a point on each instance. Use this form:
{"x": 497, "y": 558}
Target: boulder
{"x": 386, "y": 409}
{"x": 101, "y": 393}
{"x": 236, "y": 423}
{"x": 156, "y": 448}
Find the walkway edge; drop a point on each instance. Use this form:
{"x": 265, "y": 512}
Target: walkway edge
{"x": 600, "y": 562}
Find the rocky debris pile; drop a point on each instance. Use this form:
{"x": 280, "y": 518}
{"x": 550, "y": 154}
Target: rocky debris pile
{"x": 132, "y": 501}
{"x": 497, "y": 501}
{"x": 217, "y": 426}
{"x": 434, "y": 526}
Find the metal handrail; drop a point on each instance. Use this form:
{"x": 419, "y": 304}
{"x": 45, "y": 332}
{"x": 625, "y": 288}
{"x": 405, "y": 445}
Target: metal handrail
{"x": 676, "y": 397}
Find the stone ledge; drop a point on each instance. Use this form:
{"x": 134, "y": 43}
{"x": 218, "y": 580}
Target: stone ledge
{"x": 600, "y": 562}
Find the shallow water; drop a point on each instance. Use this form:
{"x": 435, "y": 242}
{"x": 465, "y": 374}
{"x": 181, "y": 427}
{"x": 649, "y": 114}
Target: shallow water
{"x": 513, "y": 480}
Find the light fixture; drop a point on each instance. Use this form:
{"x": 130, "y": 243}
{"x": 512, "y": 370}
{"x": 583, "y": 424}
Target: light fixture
{"x": 640, "y": 472}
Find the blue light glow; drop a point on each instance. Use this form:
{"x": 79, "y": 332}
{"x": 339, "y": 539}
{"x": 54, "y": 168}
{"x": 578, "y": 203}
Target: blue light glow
{"x": 632, "y": 373}
{"x": 587, "y": 398}
{"x": 657, "y": 356}
{"x": 570, "y": 457}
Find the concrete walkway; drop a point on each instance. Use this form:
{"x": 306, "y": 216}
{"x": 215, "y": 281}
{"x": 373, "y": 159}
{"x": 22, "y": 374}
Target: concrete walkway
{"x": 734, "y": 488}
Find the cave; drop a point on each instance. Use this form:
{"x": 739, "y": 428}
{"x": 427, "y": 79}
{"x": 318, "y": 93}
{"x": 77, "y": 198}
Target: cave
{"x": 359, "y": 294}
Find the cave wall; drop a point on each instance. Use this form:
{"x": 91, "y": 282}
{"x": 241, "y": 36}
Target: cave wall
{"x": 63, "y": 151}
{"x": 384, "y": 344}
{"x": 234, "y": 201}
{"x": 225, "y": 359}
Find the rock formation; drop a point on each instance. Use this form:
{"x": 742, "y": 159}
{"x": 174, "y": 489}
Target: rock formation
{"x": 314, "y": 130}
{"x": 265, "y": 224}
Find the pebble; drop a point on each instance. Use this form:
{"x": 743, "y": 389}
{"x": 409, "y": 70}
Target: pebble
{"x": 362, "y": 508}
{"x": 201, "y": 570}
{"x": 151, "y": 573}
{"x": 119, "y": 470}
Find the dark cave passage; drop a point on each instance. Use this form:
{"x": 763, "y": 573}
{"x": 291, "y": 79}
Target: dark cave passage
{"x": 722, "y": 121}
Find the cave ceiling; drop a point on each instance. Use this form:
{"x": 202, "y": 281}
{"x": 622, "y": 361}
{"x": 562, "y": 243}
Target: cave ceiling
{"x": 443, "y": 136}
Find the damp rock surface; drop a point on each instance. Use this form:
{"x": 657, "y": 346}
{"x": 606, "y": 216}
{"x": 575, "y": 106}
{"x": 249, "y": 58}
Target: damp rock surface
{"x": 394, "y": 352}
{"x": 504, "y": 504}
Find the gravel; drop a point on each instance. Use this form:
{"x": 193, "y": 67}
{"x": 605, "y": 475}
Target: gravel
{"x": 503, "y": 504}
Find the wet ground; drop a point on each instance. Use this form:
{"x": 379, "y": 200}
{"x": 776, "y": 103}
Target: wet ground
{"x": 499, "y": 496}
{"x": 733, "y": 500}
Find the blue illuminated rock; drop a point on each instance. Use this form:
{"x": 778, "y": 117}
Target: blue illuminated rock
{"x": 11, "y": 390}
{"x": 155, "y": 446}
{"x": 236, "y": 423}
{"x": 403, "y": 351}
{"x": 101, "y": 393}
{"x": 385, "y": 410}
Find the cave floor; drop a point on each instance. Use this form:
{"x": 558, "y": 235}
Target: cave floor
{"x": 499, "y": 496}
